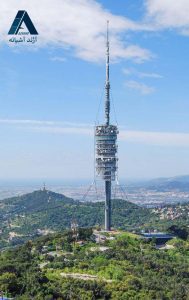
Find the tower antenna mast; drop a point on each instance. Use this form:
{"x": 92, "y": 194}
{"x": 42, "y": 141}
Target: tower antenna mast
{"x": 107, "y": 85}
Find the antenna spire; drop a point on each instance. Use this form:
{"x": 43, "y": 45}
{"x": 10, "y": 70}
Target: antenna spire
{"x": 107, "y": 85}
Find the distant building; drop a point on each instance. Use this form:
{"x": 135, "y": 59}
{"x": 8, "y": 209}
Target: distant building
{"x": 159, "y": 237}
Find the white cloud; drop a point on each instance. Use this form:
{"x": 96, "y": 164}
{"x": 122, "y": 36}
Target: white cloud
{"x": 41, "y": 123}
{"x": 77, "y": 25}
{"x": 64, "y": 130}
{"x": 143, "y": 88}
{"x": 58, "y": 58}
{"x": 50, "y": 126}
{"x": 142, "y": 137}
{"x": 134, "y": 72}
{"x": 168, "y": 14}
{"x": 149, "y": 75}
{"x": 156, "y": 138}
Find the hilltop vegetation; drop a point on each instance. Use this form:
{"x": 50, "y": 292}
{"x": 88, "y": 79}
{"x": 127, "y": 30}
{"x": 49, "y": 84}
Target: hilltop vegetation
{"x": 26, "y": 216}
{"x": 55, "y": 267}
{"x": 58, "y": 266}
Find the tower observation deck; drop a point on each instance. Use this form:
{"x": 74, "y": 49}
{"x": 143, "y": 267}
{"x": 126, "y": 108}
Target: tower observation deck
{"x": 106, "y": 146}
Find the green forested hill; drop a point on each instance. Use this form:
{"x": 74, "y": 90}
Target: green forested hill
{"x": 22, "y": 216}
{"x": 46, "y": 209}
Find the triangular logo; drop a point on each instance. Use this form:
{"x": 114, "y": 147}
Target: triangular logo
{"x": 22, "y": 16}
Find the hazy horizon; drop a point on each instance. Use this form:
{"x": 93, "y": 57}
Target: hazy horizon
{"x": 84, "y": 181}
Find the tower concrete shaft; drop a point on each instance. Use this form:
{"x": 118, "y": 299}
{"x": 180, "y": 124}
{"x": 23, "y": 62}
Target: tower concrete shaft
{"x": 108, "y": 205}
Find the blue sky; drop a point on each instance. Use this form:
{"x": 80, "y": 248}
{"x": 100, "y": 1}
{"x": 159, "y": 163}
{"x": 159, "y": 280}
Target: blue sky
{"x": 50, "y": 92}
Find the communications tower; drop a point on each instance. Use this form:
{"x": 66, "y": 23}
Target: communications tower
{"x": 106, "y": 145}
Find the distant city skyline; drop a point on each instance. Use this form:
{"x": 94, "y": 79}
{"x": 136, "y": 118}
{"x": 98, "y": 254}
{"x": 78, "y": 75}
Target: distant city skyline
{"x": 51, "y": 91}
